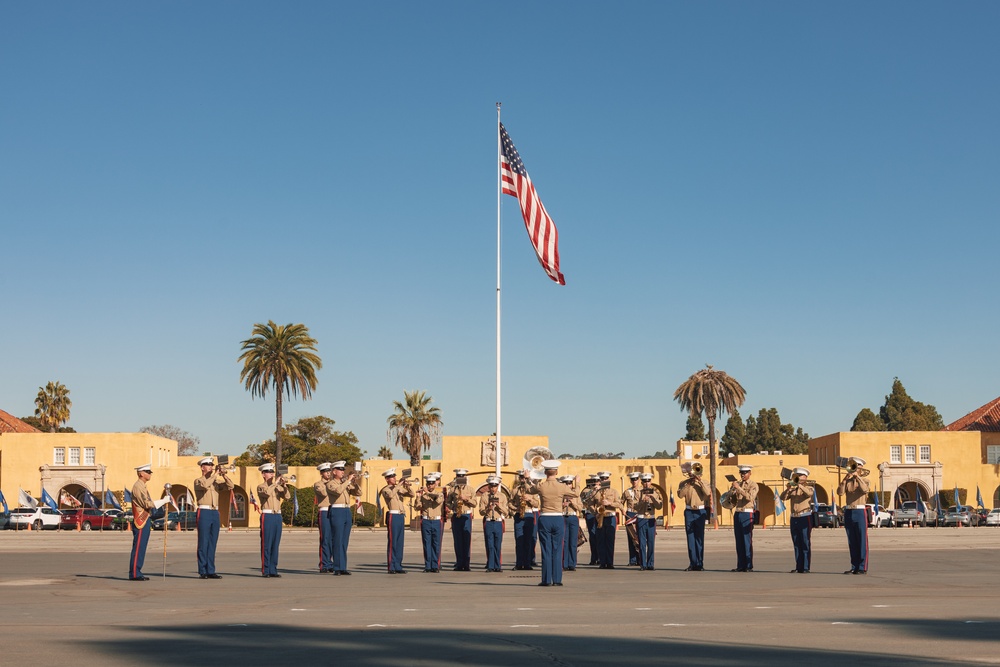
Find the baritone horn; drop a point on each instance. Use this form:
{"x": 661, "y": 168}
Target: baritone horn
{"x": 697, "y": 469}
{"x": 858, "y": 468}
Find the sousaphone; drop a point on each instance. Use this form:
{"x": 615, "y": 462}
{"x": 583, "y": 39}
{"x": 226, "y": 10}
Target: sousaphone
{"x": 533, "y": 459}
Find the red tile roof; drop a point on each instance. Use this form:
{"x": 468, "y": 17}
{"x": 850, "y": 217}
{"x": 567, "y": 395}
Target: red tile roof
{"x": 11, "y": 424}
{"x": 986, "y": 418}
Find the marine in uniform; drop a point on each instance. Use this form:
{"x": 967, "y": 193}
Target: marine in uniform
{"x": 207, "y": 489}
{"x": 322, "y": 502}
{"x": 650, "y": 500}
{"x": 589, "y": 516}
{"x": 630, "y": 497}
{"x": 551, "y": 521}
{"x": 606, "y": 506}
{"x": 430, "y": 503}
{"x": 525, "y": 510}
{"x": 799, "y": 494}
{"x": 340, "y": 489}
{"x": 854, "y": 487}
{"x": 271, "y": 493}
{"x": 392, "y": 495}
{"x": 460, "y": 505}
{"x": 698, "y": 499}
{"x": 744, "y": 496}
{"x": 571, "y": 515}
{"x": 493, "y": 508}
{"x": 142, "y": 515}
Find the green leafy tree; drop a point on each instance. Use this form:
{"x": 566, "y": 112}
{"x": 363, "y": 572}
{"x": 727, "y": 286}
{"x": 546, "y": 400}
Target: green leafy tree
{"x": 52, "y": 406}
{"x": 900, "y": 413}
{"x": 734, "y": 438}
{"x": 710, "y": 392}
{"x": 282, "y": 359}
{"x": 695, "y": 428}
{"x": 308, "y": 442}
{"x": 187, "y": 444}
{"x": 385, "y": 453}
{"x": 597, "y": 455}
{"x": 415, "y": 424}
{"x": 37, "y": 423}
{"x": 772, "y": 435}
{"x": 868, "y": 421}
{"x": 662, "y": 454}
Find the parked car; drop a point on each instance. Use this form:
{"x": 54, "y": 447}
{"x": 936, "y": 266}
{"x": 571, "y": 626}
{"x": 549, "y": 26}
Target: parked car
{"x": 187, "y": 521}
{"x": 826, "y": 517}
{"x": 959, "y": 515}
{"x": 909, "y": 513}
{"x": 882, "y": 519}
{"x": 85, "y": 519}
{"x": 39, "y": 518}
{"x": 123, "y": 522}
{"x": 993, "y": 517}
{"x": 4, "y": 519}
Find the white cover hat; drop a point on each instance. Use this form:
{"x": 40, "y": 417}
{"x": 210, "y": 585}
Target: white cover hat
{"x": 390, "y": 472}
{"x": 551, "y": 464}
{"x": 206, "y": 461}
{"x": 267, "y": 467}
{"x": 647, "y": 477}
{"x": 323, "y": 467}
{"x": 744, "y": 468}
{"x": 148, "y": 467}
{"x": 461, "y": 472}
{"x": 339, "y": 465}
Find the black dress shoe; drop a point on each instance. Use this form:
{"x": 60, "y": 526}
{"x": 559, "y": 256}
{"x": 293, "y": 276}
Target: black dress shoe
{"x": 738, "y": 569}
{"x": 861, "y": 572}
{"x": 849, "y": 571}
{"x": 427, "y": 569}
{"x": 559, "y": 584}
{"x": 571, "y": 569}
{"x": 391, "y": 572}
{"x": 336, "y": 573}
{"x": 544, "y": 584}
{"x": 266, "y": 576}
{"x": 609, "y": 567}
{"x": 435, "y": 570}
{"x": 138, "y": 578}
{"x": 400, "y": 571}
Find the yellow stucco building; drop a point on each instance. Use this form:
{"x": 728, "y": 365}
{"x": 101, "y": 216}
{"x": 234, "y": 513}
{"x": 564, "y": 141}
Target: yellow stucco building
{"x": 965, "y": 454}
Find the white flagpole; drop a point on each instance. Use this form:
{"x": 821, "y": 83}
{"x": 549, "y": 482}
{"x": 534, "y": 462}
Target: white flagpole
{"x": 498, "y": 440}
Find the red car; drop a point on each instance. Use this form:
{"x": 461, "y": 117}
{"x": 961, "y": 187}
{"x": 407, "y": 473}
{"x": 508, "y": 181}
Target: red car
{"x": 86, "y": 519}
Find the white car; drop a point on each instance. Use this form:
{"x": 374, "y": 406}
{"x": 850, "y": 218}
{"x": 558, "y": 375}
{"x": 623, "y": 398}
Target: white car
{"x": 39, "y": 518}
{"x": 882, "y": 519}
{"x": 993, "y": 518}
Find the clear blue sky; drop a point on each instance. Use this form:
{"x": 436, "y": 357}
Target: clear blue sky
{"x": 802, "y": 194}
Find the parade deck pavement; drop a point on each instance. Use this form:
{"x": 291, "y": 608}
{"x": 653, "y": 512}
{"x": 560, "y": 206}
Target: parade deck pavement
{"x": 931, "y": 598}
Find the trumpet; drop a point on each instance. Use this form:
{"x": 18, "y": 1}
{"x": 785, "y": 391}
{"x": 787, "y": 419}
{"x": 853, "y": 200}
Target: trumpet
{"x": 291, "y": 479}
{"x": 697, "y": 469}
{"x": 795, "y": 482}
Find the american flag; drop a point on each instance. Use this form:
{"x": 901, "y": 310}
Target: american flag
{"x": 541, "y": 230}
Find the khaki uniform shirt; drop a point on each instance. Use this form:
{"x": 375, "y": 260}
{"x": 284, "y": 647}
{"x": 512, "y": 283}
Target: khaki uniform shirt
{"x": 551, "y": 494}
{"x": 341, "y": 491}
{"x": 207, "y": 489}
{"x": 572, "y": 506}
{"x": 429, "y": 503}
{"x": 606, "y": 501}
{"x": 271, "y": 495}
{"x": 524, "y": 498}
{"x": 460, "y": 499}
{"x": 854, "y": 489}
{"x": 648, "y": 503}
{"x": 322, "y": 496}
{"x": 744, "y": 495}
{"x": 493, "y": 507}
{"x": 694, "y": 492}
{"x": 142, "y": 502}
{"x": 587, "y": 498}
{"x": 392, "y": 497}
{"x": 800, "y": 498}
{"x": 630, "y": 497}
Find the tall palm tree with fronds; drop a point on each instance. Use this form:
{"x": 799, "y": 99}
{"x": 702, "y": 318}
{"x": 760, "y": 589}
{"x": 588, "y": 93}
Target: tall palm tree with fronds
{"x": 712, "y": 393}
{"x": 282, "y": 358}
{"x": 415, "y": 425}
{"x": 52, "y": 405}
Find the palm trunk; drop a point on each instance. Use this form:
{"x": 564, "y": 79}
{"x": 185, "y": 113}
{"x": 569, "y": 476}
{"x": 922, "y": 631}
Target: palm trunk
{"x": 277, "y": 432}
{"x": 711, "y": 467}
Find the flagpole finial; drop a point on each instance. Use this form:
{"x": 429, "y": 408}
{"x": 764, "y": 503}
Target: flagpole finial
{"x": 498, "y": 106}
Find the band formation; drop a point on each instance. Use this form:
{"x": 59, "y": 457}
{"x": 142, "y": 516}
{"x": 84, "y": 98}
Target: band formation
{"x": 545, "y": 509}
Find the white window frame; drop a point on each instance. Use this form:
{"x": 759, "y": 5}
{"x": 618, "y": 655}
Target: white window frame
{"x": 993, "y": 455}
{"x": 59, "y": 456}
{"x": 925, "y": 453}
{"x": 910, "y": 453}
{"x": 89, "y": 456}
{"x": 74, "y": 456}
{"x": 895, "y": 453}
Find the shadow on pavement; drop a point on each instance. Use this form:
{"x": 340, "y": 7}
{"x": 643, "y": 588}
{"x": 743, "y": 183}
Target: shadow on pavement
{"x": 254, "y": 644}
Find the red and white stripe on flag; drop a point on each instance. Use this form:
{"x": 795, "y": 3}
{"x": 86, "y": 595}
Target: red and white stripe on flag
{"x": 542, "y": 231}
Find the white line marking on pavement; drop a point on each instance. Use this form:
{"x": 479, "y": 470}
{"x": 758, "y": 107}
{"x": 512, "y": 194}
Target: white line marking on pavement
{"x": 524, "y": 626}
{"x": 526, "y": 609}
{"x": 880, "y": 606}
{"x": 762, "y": 607}
{"x": 674, "y": 625}
{"x": 973, "y": 621}
{"x": 299, "y": 610}
{"x": 376, "y": 625}
{"x": 841, "y": 623}
{"x": 409, "y": 610}
{"x": 237, "y": 625}
{"x": 643, "y": 608}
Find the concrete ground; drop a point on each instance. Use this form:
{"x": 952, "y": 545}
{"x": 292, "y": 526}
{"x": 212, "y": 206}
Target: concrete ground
{"x": 931, "y": 598}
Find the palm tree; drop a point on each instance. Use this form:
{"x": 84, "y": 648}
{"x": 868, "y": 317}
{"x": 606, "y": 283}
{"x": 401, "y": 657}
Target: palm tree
{"x": 713, "y": 393}
{"x": 52, "y": 405}
{"x": 283, "y": 358}
{"x": 414, "y": 425}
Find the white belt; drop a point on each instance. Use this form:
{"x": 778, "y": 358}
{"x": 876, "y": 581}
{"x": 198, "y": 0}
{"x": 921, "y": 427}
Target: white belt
{"x": 431, "y": 518}
{"x": 744, "y": 511}
{"x": 530, "y": 509}
{"x": 801, "y": 514}
{"x": 696, "y": 507}
{"x": 323, "y": 509}
{"x": 394, "y": 511}
{"x": 205, "y": 507}
{"x": 855, "y": 507}
{"x": 496, "y": 520}
{"x": 269, "y": 511}
{"x": 552, "y": 514}
{"x": 341, "y": 506}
